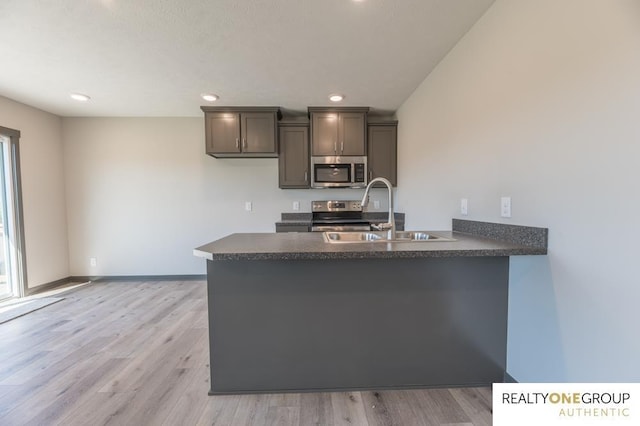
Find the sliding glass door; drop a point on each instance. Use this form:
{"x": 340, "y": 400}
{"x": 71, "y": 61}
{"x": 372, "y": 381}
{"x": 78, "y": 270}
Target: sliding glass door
{"x": 12, "y": 267}
{"x": 6, "y": 286}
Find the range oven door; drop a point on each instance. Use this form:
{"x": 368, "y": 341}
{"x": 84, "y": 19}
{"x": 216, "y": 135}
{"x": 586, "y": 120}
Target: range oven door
{"x": 340, "y": 227}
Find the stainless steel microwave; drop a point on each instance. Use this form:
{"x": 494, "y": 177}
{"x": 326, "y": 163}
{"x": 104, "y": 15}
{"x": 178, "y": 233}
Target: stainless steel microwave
{"x": 339, "y": 172}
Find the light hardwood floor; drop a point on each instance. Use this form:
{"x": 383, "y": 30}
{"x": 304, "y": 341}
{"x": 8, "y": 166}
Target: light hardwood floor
{"x": 136, "y": 353}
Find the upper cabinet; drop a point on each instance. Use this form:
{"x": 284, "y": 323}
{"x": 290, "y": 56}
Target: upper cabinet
{"x": 241, "y": 131}
{"x": 338, "y": 131}
{"x": 293, "y": 163}
{"x": 382, "y": 150}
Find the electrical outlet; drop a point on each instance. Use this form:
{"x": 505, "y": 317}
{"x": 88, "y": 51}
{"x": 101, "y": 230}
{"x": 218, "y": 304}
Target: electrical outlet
{"x": 93, "y": 262}
{"x": 296, "y": 205}
{"x": 464, "y": 206}
{"x": 248, "y": 206}
{"x": 505, "y": 206}
{"x": 376, "y": 204}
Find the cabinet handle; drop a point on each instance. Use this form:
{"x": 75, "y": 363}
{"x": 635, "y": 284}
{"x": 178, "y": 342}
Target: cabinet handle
{"x": 335, "y": 147}
{"x": 237, "y": 143}
{"x": 305, "y": 175}
{"x": 370, "y": 175}
{"x": 341, "y": 147}
{"x": 244, "y": 143}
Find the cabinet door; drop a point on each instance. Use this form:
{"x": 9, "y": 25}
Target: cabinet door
{"x": 222, "y": 133}
{"x": 382, "y": 152}
{"x": 294, "y": 157}
{"x": 325, "y": 133}
{"x": 352, "y": 133}
{"x": 258, "y": 133}
{"x": 291, "y": 228}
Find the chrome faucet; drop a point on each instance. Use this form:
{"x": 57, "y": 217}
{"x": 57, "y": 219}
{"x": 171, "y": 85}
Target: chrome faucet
{"x": 390, "y": 226}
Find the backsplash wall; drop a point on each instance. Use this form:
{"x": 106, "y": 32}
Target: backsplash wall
{"x": 141, "y": 194}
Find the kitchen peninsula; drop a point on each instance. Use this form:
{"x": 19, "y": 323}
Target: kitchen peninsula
{"x": 292, "y": 312}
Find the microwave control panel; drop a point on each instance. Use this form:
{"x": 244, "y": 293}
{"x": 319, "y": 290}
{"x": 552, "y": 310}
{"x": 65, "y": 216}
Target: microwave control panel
{"x": 359, "y": 173}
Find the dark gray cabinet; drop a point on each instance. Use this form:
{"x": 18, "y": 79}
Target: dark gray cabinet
{"x": 241, "y": 131}
{"x": 382, "y": 150}
{"x": 291, "y": 228}
{"x": 338, "y": 131}
{"x": 293, "y": 162}
{"x": 222, "y": 133}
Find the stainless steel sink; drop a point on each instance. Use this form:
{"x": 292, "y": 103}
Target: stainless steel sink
{"x": 381, "y": 237}
{"x": 355, "y": 237}
{"x": 419, "y": 236}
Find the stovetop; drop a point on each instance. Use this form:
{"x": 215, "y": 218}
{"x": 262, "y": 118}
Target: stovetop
{"x": 337, "y": 212}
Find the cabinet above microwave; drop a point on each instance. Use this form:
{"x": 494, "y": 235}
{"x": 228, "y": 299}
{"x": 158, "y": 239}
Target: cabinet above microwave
{"x": 338, "y": 131}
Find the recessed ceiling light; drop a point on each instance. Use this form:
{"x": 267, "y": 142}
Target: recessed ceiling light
{"x": 80, "y": 97}
{"x": 209, "y": 97}
{"x": 336, "y": 98}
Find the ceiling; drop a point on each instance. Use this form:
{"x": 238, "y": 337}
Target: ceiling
{"x": 155, "y": 57}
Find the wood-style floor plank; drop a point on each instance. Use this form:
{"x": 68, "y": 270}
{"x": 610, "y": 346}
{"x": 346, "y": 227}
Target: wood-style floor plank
{"x": 73, "y": 395}
{"x": 380, "y": 410}
{"x": 100, "y": 408}
{"x": 193, "y": 401}
{"x": 219, "y": 411}
{"x": 348, "y": 408}
{"x": 136, "y": 353}
{"x": 476, "y": 403}
{"x": 316, "y": 409}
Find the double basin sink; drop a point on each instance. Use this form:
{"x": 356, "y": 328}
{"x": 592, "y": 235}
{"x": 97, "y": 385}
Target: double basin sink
{"x": 382, "y": 237}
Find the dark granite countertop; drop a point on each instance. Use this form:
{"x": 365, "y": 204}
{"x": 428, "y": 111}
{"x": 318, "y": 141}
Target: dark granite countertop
{"x": 294, "y": 246}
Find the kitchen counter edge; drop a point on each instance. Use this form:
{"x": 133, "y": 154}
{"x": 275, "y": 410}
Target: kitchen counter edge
{"x": 311, "y": 246}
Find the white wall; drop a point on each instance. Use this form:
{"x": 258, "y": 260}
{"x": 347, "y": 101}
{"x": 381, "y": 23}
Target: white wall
{"x": 43, "y": 195}
{"x": 541, "y": 101}
{"x": 142, "y": 195}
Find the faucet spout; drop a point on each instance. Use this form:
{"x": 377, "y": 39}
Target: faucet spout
{"x": 391, "y": 220}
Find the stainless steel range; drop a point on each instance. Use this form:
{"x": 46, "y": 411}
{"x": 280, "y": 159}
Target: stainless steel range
{"x": 334, "y": 215}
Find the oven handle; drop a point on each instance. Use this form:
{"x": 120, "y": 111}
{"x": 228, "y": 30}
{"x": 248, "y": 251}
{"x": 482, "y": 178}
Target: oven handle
{"x": 340, "y": 228}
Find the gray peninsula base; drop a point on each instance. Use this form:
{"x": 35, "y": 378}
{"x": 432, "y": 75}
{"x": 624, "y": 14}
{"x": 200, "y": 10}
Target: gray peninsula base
{"x": 318, "y": 325}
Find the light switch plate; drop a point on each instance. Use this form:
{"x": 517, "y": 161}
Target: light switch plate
{"x": 464, "y": 206}
{"x": 248, "y": 206}
{"x": 296, "y": 205}
{"x": 376, "y": 204}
